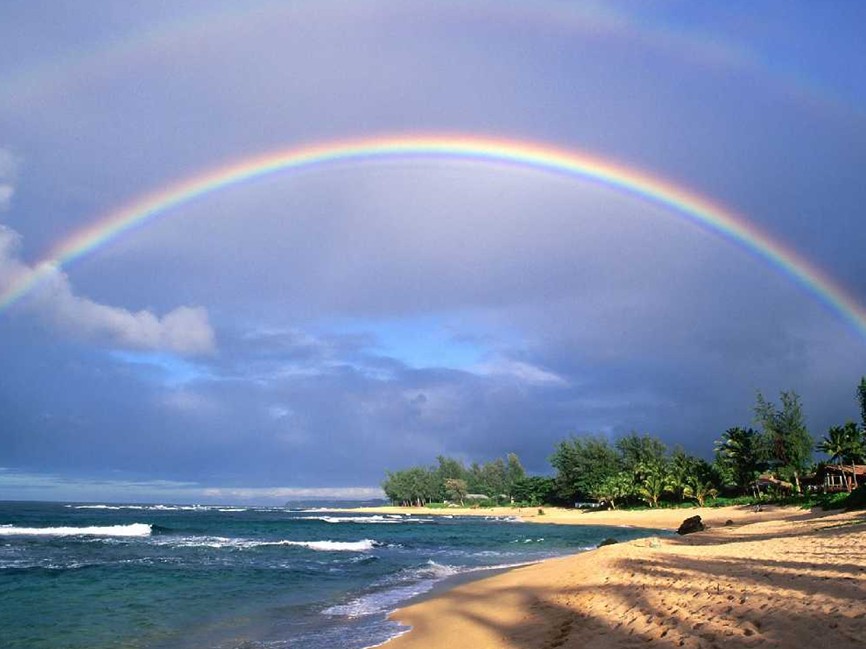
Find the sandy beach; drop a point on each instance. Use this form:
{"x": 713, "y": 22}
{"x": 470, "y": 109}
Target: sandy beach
{"x": 782, "y": 577}
{"x": 656, "y": 519}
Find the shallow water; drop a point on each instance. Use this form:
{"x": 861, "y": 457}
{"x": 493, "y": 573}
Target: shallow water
{"x": 171, "y": 577}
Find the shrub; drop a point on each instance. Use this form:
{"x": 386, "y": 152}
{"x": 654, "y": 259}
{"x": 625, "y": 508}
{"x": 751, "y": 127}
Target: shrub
{"x": 856, "y": 499}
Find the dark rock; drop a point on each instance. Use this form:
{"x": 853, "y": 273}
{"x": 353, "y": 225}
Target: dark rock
{"x": 729, "y": 522}
{"x": 690, "y": 525}
{"x": 608, "y": 541}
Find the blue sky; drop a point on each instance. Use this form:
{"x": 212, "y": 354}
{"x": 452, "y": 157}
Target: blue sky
{"x": 300, "y": 334}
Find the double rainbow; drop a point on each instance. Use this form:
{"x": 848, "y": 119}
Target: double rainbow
{"x": 678, "y": 200}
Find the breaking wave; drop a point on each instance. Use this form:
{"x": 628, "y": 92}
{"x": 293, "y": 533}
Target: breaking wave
{"x": 219, "y": 542}
{"x": 389, "y": 519}
{"x": 134, "y": 529}
{"x": 405, "y": 585}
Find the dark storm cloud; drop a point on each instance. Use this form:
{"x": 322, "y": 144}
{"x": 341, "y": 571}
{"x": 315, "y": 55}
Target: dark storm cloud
{"x": 359, "y": 317}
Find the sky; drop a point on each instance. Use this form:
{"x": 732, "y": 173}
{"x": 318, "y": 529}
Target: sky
{"x": 296, "y": 334}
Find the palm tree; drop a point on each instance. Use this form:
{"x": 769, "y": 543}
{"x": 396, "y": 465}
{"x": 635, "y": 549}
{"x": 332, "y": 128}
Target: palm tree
{"x": 737, "y": 454}
{"x": 843, "y": 444}
{"x": 654, "y": 480}
{"x": 616, "y": 487}
{"x": 681, "y": 465}
{"x": 699, "y": 488}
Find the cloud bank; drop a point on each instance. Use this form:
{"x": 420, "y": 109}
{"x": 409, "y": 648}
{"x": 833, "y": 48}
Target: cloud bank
{"x": 184, "y": 330}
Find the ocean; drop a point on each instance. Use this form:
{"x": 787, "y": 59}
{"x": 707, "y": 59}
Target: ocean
{"x": 75, "y": 576}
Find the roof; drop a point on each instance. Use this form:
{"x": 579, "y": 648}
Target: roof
{"x": 765, "y": 479}
{"x": 846, "y": 469}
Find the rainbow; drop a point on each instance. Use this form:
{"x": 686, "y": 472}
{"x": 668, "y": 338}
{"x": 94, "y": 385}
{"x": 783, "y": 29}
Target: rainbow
{"x": 541, "y": 157}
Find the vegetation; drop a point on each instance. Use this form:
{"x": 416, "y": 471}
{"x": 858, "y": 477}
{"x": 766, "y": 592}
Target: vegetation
{"x": 450, "y": 480}
{"x": 738, "y": 458}
{"x": 787, "y": 443}
{"x": 640, "y": 470}
{"x": 582, "y": 465}
{"x": 861, "y": 397}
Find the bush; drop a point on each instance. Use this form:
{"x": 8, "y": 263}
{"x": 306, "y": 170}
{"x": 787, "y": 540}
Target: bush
{"x": 722, "y": 501}
{"x": 831, "y": 501}
{"x": 856, "y": 499}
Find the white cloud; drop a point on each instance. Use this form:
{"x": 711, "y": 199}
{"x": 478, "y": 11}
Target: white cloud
{"x": 184, "y": 330}
{"x": 520, "y": 371}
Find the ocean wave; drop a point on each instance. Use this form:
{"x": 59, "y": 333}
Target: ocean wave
{"x": 144, "y": 508}
{"x": 134, "y": 529}
{"x": 381, "y": 602}
{"x": 410, "y": 583}
{"x": 221, "y": 542}
{"x": 371, "y": 520}
{"x": 505, "y": 519}
{"x": 23, "y": 564}
{"x": 364, "y": 545}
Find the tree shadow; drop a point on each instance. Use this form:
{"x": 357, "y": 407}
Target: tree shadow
{"x": 646, "y": 593}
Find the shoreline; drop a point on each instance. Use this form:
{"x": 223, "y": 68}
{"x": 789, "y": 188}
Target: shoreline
{"x": 784, "y": 578}
{"x": 652, "y": 519}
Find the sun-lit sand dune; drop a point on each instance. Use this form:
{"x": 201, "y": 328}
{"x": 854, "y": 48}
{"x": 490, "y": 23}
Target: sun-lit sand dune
{"x": 793, "y": 579}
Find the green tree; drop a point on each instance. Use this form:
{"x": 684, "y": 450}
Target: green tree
{"x": 448, "y": 469}
{"x": 652, "y": 480}
{"x": 494, "y": 480}
{"x": 680, "y": 467}
{"x": 843, "y": 444}
{"x": 737, "y": 456}
{"x": 455, "y": 489}
{"x": 636, "y": 450}
{"x": 414, "y": 486}
{"x": 514, "y": 473}
{"x": 700, "y": 481}
{"x": 582, "y": 464}
{"x": 861, "y": 397}
{"x": 785, "y": 431}
{"x": 475, "y": 479}
{"x": 534, "y": 490}
{"x": 614, "y": 489}
{"x": 699, "y": 488}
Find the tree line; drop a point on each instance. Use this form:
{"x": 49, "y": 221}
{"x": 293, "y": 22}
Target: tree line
{"x": 449, "y": 479}
{"x": 641, "y": 468}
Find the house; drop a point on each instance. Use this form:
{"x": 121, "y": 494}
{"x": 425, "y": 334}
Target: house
{"x": 843, "y": 477}
{"x": 767, "y": 482}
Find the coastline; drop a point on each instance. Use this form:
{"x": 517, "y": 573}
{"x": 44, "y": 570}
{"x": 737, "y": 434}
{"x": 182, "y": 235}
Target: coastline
{"x": 654, "y": 519}
{"x": 783, "y": 577}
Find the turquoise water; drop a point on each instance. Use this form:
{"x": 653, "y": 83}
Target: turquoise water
{"x": 171, "y": 577}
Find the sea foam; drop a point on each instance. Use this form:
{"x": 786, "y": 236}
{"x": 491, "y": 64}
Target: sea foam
{"x": 134, "y": 529}
{"x": 405, "y": 585}
{"x": 371, "y": 520}
{"x": 364, "y": 545}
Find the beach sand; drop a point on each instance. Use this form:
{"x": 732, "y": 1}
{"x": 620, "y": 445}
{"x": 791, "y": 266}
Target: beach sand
{"x": 657, "y": 519}
{"x": 782, "y": 578}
